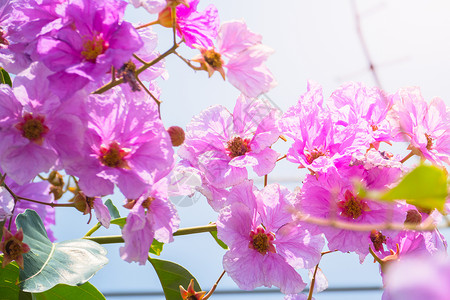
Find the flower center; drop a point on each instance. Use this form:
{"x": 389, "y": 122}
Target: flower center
{"x": 113, "y": 156}
{"x": 312, "y": 155}
{"x": 374, "y": 127}
{"x": 261, "y": 241}
{"x": 3, "y": 40}
{"x": 93, "y": 48}
{"x": 238, "y": 147}
{"x": 147, "y": 202}
{"x": 377, "y": 239}
{"x": 213, "y": 58}
{"x": 13, "y": 249}
{"x": 352, "y": 207}
{"x": 429, "y": 141}
{"x": 32, "y": 128}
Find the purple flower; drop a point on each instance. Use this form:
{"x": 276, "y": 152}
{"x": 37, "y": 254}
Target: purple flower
{"x": 245, "y": 57}
{"x": 37, "y": 131}
{"x": 221, "y": 145}
{"x": 152, "y": 6}
{"x": 152, "y": 216}
{"x": 425, "y": 126}
{"x": 126, "y": 144}
{"x": 94, "y": 39}
{"x": 197, "y": 28}
{"x": 333, "y": 195}
{"x": 265, "y": 246}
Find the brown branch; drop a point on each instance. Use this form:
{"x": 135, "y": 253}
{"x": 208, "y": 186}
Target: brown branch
{"x": 364, "y": 44}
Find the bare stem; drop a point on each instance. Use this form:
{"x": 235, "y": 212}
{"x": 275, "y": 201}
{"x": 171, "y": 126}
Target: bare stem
{"x": 188, "y": 62}
{"x": 47, "y": 203}
{"x": 158, "y": 102}
{"x": 110, "y": 85}
{"x": 313, "y": 280}
{"x": 214, "y": 286}
{"x": 364, "y": 45}
{"x": 147, "y": 25}
{"x": 174, "y": 24}
{"x": 265, "y": 180}
{"x": 283, "y": 157}
{"x": 410, "y": 154}
{"x": 140, "y": 59}
{"x": 93, "y": 229}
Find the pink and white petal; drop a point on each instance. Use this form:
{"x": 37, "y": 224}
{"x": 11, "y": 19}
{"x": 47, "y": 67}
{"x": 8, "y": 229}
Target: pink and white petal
{"x": 279, "y": 273}
{"x": 246, "y": 267}
{"x": 102, "y": 212}
{"x": 266, "y": 161}
{"x": 234, "y": 225}
{"x": 244, "y": 161}
{"x": 234, "y": 37}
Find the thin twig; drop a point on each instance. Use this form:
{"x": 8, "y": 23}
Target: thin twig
{"x": 283, "y": 157}
{"x": 214, "y": 286}
{"x": 140, "y": 59}
{"x": 188, "y": 62}
{"x": 147, "y": 25}
{"x": 158, "y": 102}
{"x": 410, "y": 154}
{"x": 313, "y": 280}
{"x": 265, "y": 180}
{"x": 364, "y": 45}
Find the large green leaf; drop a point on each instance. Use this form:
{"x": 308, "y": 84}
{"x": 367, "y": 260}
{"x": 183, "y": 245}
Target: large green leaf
{"x": 113, "y": 211}
{"x": 424, "y": 187}
{"x": 4, "y": 77}
{"x": 70, "y": 262}
{"x": 171, "y": 276}
{"x": 9, "y": 276}
{"x": 67, "y": 292}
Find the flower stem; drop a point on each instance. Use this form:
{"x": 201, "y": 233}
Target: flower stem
{"x": 313, "y": 280}
{"x": 214, "y": 286}
{"x": 113, "y": 239}
{"x": 147, "y": 25}
{"x": 52, "y": 204}
{"x": 407, "y": 157}
{"x": 93, "y": 229}
{"x": 110, "y": 85}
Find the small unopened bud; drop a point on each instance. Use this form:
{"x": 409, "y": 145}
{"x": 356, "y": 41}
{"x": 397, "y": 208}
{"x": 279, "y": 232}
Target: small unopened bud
{"x": 165, "y": 17}
{"x": 57, "y": 191}
{"x": 56, "y": 179}
{"x": 413, "y": 217}
{"x": 176, "y": 135}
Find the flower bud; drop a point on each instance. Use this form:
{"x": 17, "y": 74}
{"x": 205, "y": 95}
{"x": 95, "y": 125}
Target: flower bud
{"x": 176, "y": 135}
{"x": 165, "y": 17}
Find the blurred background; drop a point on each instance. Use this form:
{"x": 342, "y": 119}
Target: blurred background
{"x": 408, "y": 42}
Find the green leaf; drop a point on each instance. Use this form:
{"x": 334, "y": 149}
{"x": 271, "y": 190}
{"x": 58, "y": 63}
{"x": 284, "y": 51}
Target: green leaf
{"x": 47, "y": 264}
{"x": 4, "y": 77}
{"x": 171, "y": 276}
{"x": 119, "y": 221}
{"x": 113, "y": 211}
{"x": 9, "y": 276}
{"x": 219, "y": 241}
{"x": 156, "y": 247}
{"x": 424, "y": 187}
{"x": 67, "y": 292}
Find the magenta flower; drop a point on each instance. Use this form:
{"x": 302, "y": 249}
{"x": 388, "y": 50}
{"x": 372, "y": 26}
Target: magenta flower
{"x": 333, "y": 195}
{"x": 152, "y": 216}
{"x": 31, "y": 123}
{"x": 240, "y": 52}
{"x": 425, "y": 126}
{"x": 22, "y": 23}
{"x": 126, "y": 144}
{"x": 265, "y": 246}
{"x": 221, "y": 145}
{"x": 196, "y": 28}
{"x": 94, "y": 39}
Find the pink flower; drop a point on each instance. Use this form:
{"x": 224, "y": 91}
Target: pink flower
{"x": 37, "y": 131}
{"x": 265, "y": 246}
{"x": 152, "y": 216}
{"x": 425, "y": 126}
{"x": 126, "y": 144}
{"x": 221, "y": 145}
{"x": 94, "y": 38}
{"x": 152, "y": 6}
{"x": 245, "y": 57}
{"x": 333, "y": 195}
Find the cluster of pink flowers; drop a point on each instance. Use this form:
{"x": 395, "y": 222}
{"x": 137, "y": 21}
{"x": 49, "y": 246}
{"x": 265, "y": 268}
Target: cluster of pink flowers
{"x": 55, "y": 118}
